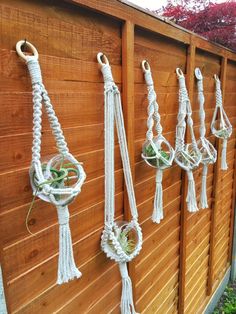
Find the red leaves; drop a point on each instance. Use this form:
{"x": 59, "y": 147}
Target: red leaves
{"x": 216, "y": 22}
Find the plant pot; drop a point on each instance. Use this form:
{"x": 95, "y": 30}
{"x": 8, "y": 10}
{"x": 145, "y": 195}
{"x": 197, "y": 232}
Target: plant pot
{"x": 57, "y": 179}
{"x": 162, "y": 158}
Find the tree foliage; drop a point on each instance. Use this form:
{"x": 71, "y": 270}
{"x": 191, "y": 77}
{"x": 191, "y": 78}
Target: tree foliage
{"x": 214, "y": 21}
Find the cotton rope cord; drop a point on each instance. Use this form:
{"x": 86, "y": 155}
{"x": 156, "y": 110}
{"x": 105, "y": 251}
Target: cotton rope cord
{"x": 224, "y": 130}
{"x": 153, "y": 149}
{"x": 121, "y": 241}
{"x": 44, "y": 175}
{"x": 209, "y": 153}
{"x": 187, "y": 156}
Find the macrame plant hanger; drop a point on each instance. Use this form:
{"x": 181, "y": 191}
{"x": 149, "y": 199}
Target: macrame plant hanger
{"x": 209, "y": 154}
{"x": 187, "y": 156}
{"x": 157, "y": 151}
{"x": 58, "y": 179}
{"x": 220, "y": 126}
{"x": 121, "y": 241}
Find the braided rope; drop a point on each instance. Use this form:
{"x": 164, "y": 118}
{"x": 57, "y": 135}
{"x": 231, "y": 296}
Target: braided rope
{"x": 209, "y": 154}
{"x": 155, "y": 144}
{"x": 187, "y": 156}
{"x": 189, "y": 161}
{"x": 111, "y": 242}
{"x": 113, "y": 112}
{"x": 224, "y": 130}
{"x": 43, "y": 174}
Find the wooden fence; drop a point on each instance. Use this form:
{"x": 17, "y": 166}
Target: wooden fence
{"x": 185, "y": 257}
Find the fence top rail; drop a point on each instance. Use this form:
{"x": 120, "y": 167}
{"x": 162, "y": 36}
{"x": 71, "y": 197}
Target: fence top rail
{"x": 127, "y": 11}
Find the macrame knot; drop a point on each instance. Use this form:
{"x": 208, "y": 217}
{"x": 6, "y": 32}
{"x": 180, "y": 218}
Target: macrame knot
{"x": 181, "y": 83}
{"x": 123, "y": 270}
{"x": 148, "y": 78}
{"x": 106, "y": 71}
{"x": 200, "y": 86}
{"x": 190, "y": 121}
{"x": 47, "y": 189}
{"x": 63, "y": 215}
{"x": 115, "y": 90}
{"x": 34, "y": 70}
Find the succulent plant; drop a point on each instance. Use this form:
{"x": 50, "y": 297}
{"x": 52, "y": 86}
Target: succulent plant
{"x": 59, "y": 176}
{"x": 150, "y": 152}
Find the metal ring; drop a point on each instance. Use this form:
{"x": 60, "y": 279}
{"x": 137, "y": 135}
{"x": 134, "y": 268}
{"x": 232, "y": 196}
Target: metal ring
{"x": 99, "y": 58}
{"x": 28, "y": 44}
{"x": 145, "y": 66}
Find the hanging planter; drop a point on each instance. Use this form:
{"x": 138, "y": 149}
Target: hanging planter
{"x": 154, "y": 154}
{"x": 207, "y": 150}
{"x": 122, "y": 244}
{"x": 121, "y": 240}
{"x": 220, "y": 125}
{"x": 58, "y": 179}
{"x": 187, "y": 156}
{"x": 156, "y": 151}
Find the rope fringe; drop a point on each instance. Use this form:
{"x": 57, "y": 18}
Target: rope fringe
{"x": 127, "y": 304}
{"x": 66, "y": 264}
{"x": 203, "y": 196}
{"x": 191, "y": 196}
{"x": 158, "y": 215}
{"x": 224, "y": 165}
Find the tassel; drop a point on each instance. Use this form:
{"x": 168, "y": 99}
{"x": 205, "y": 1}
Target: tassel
{"x": 203, "y": 197}
{"x": 67, "y": 269}
{"x": 157, "y": 214}
{"x": 191, "y": 197}
{"x": 127, "y": 303}
{"x": 224, "y": 165}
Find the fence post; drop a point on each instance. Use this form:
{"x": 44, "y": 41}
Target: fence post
{"x": 216, "y": 190}
{"x": 191, "y": 51}
{"x": 128, "y": 110}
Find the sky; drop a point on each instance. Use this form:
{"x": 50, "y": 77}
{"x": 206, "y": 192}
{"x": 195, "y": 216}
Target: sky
{"x": 156, "y": 4}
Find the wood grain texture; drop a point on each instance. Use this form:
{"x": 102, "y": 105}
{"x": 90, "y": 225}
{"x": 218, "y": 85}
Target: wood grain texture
{"x": 184, "y": 258}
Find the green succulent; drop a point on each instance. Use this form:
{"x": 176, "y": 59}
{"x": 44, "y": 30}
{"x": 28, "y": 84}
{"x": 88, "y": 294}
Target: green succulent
{"x": 150, "y": 152}
{"x": 59, "y": 176}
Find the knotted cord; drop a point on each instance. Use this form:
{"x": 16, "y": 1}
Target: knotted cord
{"x": 43, "y": 175}
{"x": 153, "y": 152}
{"x": 209, "y": 154}
{"x": 187, "y": 156}
{"x": 225, "y": 128}
{"x": 115, "y": 240}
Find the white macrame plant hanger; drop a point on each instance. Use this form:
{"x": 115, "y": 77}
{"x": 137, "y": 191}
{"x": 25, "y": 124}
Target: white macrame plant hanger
{"x": 41, "y": 174}
{"x": 112, "y": 234}
{"x": 187, "y": 156}
{"x": 155, "y": 144}
{"x": 224, "y": 130}
{"x": 208, "y": 151}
